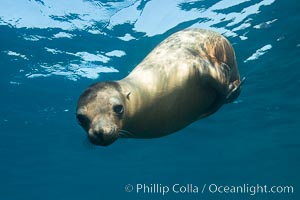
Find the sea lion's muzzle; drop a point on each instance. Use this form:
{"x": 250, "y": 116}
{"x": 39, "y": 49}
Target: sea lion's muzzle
{"x": 101, "y": 138}
{"x": 96, "y": 138}
{"x": 101, "y": 133}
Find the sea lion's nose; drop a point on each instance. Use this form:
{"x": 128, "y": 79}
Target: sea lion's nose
{"x": 97, "y": 132}
{"x": 96, "y": 136}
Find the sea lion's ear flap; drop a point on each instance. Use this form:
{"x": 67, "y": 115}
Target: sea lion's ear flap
{"x": 127, "y": 94}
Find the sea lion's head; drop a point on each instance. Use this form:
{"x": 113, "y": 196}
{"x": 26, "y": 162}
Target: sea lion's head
{"x": 100, "y": 112}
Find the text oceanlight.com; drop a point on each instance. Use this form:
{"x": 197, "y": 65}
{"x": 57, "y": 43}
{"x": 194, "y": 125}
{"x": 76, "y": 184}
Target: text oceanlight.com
{"x": 177, "y": 188}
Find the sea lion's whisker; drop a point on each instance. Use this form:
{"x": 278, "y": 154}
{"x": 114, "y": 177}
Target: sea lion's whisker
{"x": 125, "y": 134}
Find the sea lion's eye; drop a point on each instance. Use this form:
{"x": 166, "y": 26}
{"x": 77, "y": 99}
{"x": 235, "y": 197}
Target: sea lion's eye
{"x": 83, "y": 120}
{"x": 119, "y": 109}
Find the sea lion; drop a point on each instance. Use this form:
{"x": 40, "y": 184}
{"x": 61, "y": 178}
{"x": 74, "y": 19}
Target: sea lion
{"x": 188, "y": 76}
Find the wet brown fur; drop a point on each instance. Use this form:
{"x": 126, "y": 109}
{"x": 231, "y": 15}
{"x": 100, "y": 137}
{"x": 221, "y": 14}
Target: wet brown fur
{"x": 186, "y": 77}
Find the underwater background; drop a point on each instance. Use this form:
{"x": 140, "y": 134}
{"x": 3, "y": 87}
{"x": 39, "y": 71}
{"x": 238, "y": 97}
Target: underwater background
{"x": 50, "y": 51}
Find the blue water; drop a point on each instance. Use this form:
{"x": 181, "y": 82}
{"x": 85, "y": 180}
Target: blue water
{"x": 50, "y": 51}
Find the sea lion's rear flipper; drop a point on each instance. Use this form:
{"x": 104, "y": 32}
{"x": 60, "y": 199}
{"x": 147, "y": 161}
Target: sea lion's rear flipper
{"x": 234, "y": 90}
{"x": 226, "y": 91}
